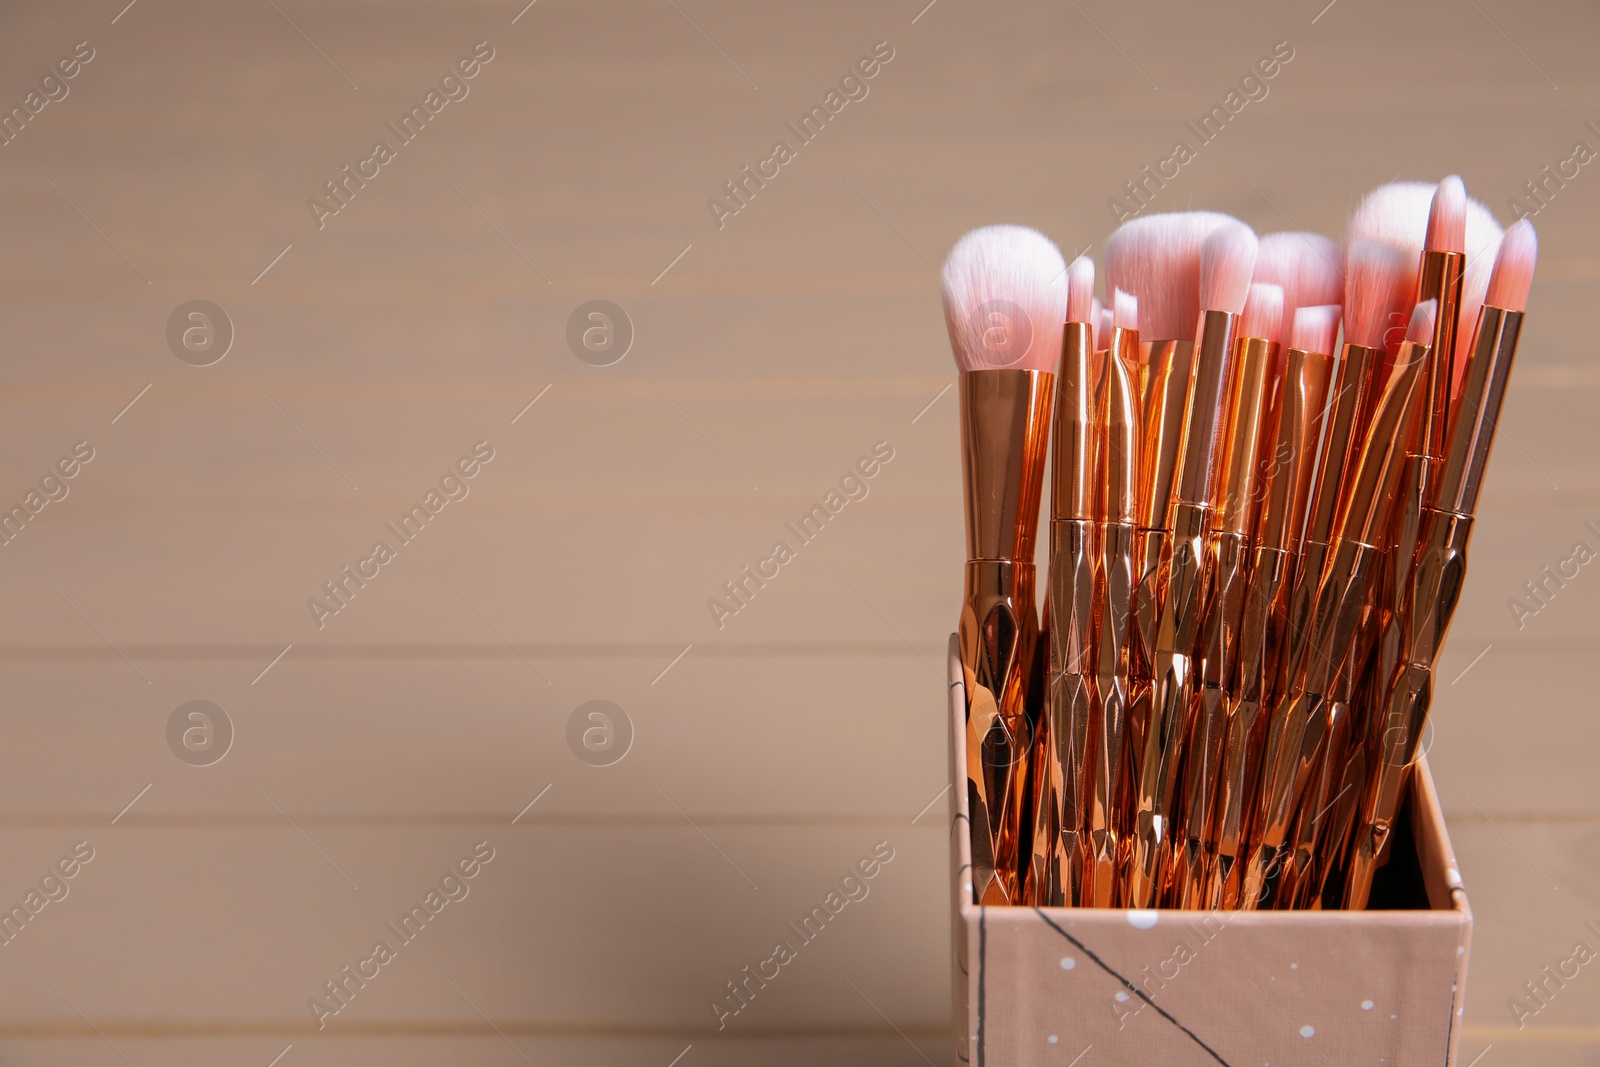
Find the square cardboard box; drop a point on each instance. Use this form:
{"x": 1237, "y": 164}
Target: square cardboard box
{"x": 1378, "y": 987}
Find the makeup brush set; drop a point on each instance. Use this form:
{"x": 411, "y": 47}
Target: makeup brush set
{"x": 1257, "y": 539}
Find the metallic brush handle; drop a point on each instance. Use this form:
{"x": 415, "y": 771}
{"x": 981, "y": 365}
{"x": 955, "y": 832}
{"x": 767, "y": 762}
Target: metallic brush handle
{"x": 998, "y": 637}
{"x": 1227, "y": 559}
{"x": 1172, "y": 687}
{"x": 1107, "y": 822}
{"x": 1265, "y": 615}
{"x": 1436, "y": 588}
{"x": 1298, "y": 729}
{"x": 1060, "y": 823}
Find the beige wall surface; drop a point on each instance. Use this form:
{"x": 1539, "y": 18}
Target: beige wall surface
{"x": 353, "y": 358}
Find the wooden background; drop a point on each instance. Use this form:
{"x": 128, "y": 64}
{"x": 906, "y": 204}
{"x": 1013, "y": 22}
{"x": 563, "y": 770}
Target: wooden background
{"x": 769, "y": 356}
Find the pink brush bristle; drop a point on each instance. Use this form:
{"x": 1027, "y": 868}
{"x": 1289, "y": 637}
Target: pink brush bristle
{"x": 1263, "y": 313}
{"x": 1124, "y": 310}
{"x": 1447, "y": 217}
{"x": 1156, "y": 258}
{"x": 1306, "y": 265}
{"x": 1513, "y": 268}
{"x": 1080, "y": 290}
{"x": 1005, "y": 298}
{"x": 1227, "y": 259}
{"x": 1316, "y": 328}
{"x": 1376, "y": 290}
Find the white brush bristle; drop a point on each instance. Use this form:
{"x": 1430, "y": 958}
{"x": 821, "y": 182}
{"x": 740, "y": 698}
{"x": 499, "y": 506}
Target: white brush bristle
{"x": 1124, "y": 310}
{"x": 1377, "y": 287}
{"x": 1103, "y": 322}
{"x": 1423, "y": 317}
{"x": 1483, "y": 244}
{"x": 1005, "y": 298}
{"x": 1157, "y": 259}
{"x": 1447, "y": 217}
{"x": 1513, "y": 268}
{"x": 1227, "y": 259}
{"x": 1263, "y": 313}
{"x": 1316, "y": 328}
{"x": 1395, "y": 214}
{"x": 1306, "y": 265}
{"x": 1080, "y": 290}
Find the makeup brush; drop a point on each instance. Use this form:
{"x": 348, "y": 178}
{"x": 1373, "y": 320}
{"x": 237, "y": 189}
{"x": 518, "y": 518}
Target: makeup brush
{"x": 1227, "y": 558}
{"x": 1341, "y": 768}
{"x": 1341, "y": 603}
{"x": 1059, "y": 854}
{"x": 1375, "y": 277}
{"x": 1290, "y": 436}
{"x": 1227, "y": 258}
{"x": 1005, "y": 295}
{"x": 1441, "y": 270}
{"x": 1307, "y": 266}
{"x": 1116, "y": 467}
{"x": 1156, "y": 259}
{"x": 1441, "y": 568}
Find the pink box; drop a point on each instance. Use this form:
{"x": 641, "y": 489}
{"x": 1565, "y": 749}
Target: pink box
{"x": 1046, "y": 985}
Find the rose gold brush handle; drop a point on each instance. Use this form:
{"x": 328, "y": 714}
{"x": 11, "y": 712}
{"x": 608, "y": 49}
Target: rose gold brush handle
{"x": 1342, "y": 599}
{"x": 998, "y": 634}
{"x": 1430, "y": 601}
{"x": 1436, "y": 587}
{"x": 1303, "y": 719}
{"x": 1005, "y": 421}
{"x": 1243, "y": 749}
{"x": 1059, "y": 848}
{"x": 1205, "y": 750}
{"x": 1171, "y": 692}
{"x": 1107, "y": 823}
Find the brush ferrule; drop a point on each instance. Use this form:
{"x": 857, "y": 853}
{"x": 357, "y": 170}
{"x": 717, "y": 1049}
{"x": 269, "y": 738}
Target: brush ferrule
{"x": 1118, "y": 462}
{"x": 1389, "y": 438}
{"x": 1440, "y": 278}
{"x": 1203, "y": 426}
{"x": 1290, "y": 445}
{"x": 1169, "y": 366}
{"x": 1340, "y": 443}
{"x": 1239, "y": 474}
{"x": 1005, "y": 423}
{"x": 1488, "y": 370}
{"x": 1072, "y": 494}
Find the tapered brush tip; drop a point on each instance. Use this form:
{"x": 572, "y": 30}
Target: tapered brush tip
{"x": 1227, "y": 260}
{"x": 1423, "y": 317}
{"x": 1157, "y": 259}
{"x": 1124, "y": 310}
{"x": 1005, "y": 298}
{"x": 1315, "y": 328}
{"x": 1447, "y": 217}
{"x": 1263, "y": 313}
{"x": 1080, "y": 290}
{"x": 1513, "y": 268}
{"x": 1376, "y": 287}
